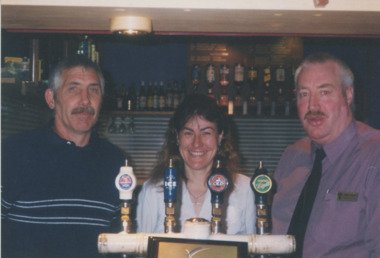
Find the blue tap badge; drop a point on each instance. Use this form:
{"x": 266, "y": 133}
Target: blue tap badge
{"x": 170, "y": 184}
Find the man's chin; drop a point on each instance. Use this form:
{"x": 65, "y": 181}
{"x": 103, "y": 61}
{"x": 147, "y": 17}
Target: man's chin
{"x": 84, "y": 127}
{"x": 317, "y": 137}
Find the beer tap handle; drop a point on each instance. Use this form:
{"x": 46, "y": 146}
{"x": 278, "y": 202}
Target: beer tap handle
{"x": 126, "y": 183}
{"x": 170, "y": 196}
{"x": 218, "y": 184}
{"x": 261, "y": 184}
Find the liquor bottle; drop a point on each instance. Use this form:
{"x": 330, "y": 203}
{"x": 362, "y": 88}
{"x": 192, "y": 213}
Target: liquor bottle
{"x": 175, "y": 95}
{"x": 252, "y": 77}
{"x": 120, "y": 98}
{"x": 210, "y": 92}
{"x": 288, "y": 93}
{"x": 253, "y": 86}
{"x": 224, "y": 75}
{"x": 252, "y": 102}
{"x": 161, "y": 97}
{"x": 239, "y": 74}
{"x": 280, "y": 88}
{"x": 210, "y": 80}
{"x": 245, "y": 105}
{"x": 142, "y": 96}
{"x": 156, "y": 97}
{"x": 224, "y": 81}
{"x": 83, "y": 48}
{"x": 182, "y": 92}
{"x": 149, "y": 97}
{"x": 292, "y": 93}
{"x": 238, "y": 81}
{"x": 169, "y": 96}
{"x": 137, "y": 99}
{"x": 267, "y": 91}
{"x": 131, "y": 96}
{"x": 223, "y": 99}
{"x": 238, "y": 102}
{"x": 259, "y": 101}
{"x": 195, "y": 77}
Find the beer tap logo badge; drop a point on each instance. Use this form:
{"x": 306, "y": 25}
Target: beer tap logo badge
{"x": 125, "y": 182}
{"x": 262, "y": 184}
{"x": 218, "y": 183}
{"x": 170, "y": 183}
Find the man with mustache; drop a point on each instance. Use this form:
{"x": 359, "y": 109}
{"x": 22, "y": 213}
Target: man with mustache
{"x": 58, "y": 190}
{"x": 343, "y": 217}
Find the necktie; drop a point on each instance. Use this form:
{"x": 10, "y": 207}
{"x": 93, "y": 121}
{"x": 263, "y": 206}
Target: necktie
{"x": 305, "y": 203}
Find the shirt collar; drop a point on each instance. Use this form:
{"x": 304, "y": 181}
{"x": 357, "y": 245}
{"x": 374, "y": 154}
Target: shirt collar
{"x": 55, "y": 139}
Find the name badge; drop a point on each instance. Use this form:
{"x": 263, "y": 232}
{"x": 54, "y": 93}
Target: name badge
{"x": 347, "y": 196}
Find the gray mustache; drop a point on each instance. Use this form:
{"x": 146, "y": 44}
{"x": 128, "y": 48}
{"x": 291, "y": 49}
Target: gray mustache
{"x": 316, "y": 113}
{"x": 88, "y": 110}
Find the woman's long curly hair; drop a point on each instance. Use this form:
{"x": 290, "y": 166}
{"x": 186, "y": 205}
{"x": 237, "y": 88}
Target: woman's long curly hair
{"x": 207, "y": 108}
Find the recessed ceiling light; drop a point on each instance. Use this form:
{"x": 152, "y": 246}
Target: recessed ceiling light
{"x": 131, "y": 25}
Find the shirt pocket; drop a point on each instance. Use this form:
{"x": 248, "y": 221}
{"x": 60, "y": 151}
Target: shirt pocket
{"x": 339, "y": 221}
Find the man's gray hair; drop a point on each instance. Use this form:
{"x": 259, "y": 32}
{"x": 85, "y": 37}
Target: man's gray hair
{"x": 346, "y": 75}
{"x": 71, "y": 62}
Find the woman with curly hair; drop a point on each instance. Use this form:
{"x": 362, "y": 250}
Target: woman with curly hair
{"x": 198, "y": 136}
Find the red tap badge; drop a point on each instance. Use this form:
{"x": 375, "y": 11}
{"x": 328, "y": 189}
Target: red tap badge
{"x": 125, "y": 182}
{"x": 218, "y": 183}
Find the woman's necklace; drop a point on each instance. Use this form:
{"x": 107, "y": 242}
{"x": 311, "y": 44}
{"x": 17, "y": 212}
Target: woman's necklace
{"x": 196, "y": 198}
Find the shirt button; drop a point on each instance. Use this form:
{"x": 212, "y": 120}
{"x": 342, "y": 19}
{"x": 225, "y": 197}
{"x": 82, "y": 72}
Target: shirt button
{"x": 68, "y": 142}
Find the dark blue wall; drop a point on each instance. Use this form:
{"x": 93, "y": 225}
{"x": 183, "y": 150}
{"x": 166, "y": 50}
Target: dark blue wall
{"x": 127, "y": 63}
{"x": 374, "y": 80}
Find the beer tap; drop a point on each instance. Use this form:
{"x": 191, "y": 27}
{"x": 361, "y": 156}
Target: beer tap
{"x": 218, "y": 184}
{"x": 126, "y": 243}
{"x": 126, "y": 182}
{"x": 261, "y": 184}
{"x": 170, "y": 196}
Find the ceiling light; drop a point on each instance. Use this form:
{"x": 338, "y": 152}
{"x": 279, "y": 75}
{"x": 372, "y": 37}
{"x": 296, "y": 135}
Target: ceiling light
{"x": 131, "y": 25}
{"x": 276, "y": 25}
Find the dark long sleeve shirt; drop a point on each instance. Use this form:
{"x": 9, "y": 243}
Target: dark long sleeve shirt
{"x": 57, "y": 197}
